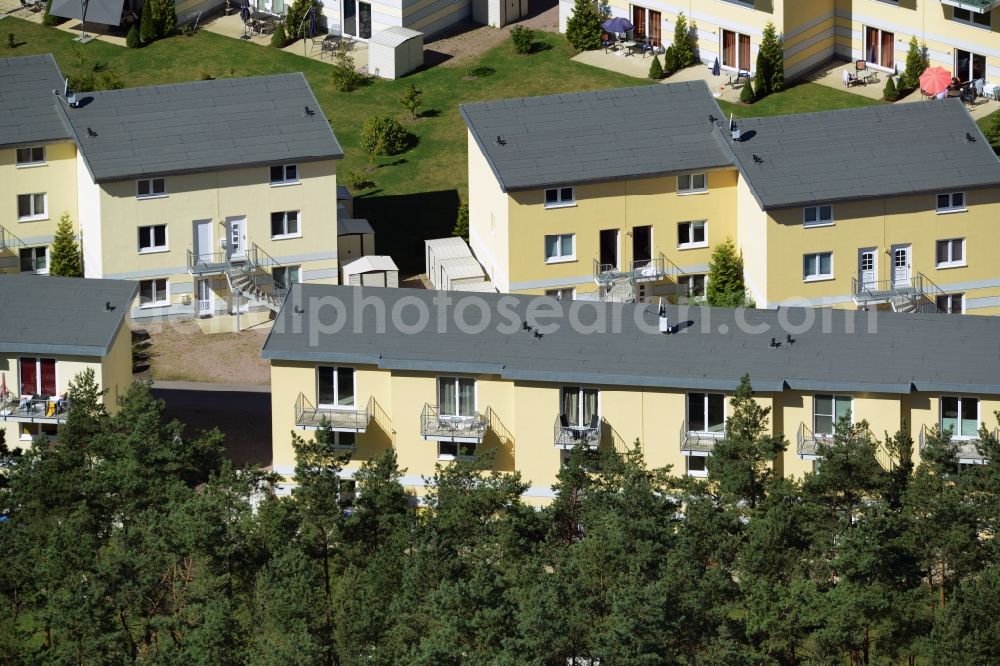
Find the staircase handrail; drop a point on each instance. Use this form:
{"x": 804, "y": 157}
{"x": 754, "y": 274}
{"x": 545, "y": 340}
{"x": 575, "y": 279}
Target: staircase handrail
{"x": 9, "y": 240}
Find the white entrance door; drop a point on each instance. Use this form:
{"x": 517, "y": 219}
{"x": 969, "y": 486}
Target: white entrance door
{"x": 901, "y": 268}
{"x": 204, "y": 293}
{"x": 203, "y": 240}
{"x": 867, "y": 268}
{"x": 236, "y": 241}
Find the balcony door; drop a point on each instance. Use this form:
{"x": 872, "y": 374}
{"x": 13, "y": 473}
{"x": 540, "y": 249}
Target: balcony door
{"x": 969, "y": 66}
{"x": 203, "y": 240}
{"x": 901, "y": 268}
{"x": 609, "y": 249}
{"x": 456, "y": 396}
{"x": 735, "y": 50}
{"x": 867, "y": 267}
{"x": 642, "y": 245}
{"x": 579, "y": 405}
{"x": 707, "y": 413}
{"x": 38, "y": 376}
{"x": 236, "y": 238}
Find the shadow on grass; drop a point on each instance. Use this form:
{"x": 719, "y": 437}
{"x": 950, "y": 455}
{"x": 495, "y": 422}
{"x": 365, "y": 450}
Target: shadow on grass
{"x": 429, "y": 113}
{"x": 538, "y": 47}
{"x": 434, "y": 58}
{"x": 403, "y": 222}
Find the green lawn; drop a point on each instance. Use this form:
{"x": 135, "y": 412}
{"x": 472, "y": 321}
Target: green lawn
{"x": 415, "y": 195}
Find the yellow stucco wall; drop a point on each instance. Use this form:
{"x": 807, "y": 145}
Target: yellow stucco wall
{"x": 489, "y": 230}
{"x": 56, "y": 178}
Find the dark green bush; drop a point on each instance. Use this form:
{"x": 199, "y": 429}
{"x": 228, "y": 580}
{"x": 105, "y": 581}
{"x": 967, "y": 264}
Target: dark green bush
{"x": 583, "y": 28}
{"x": 890, "y": 93}
{"x": 523, "y": 39}
{"x": 383, "y": 135}
{"x": 345, "y": 77}
{"x": 278, "y": 39}
{"x": 655, "y": 68}
{"x": 132, "y": 39}
{"x": 746, "y": 94}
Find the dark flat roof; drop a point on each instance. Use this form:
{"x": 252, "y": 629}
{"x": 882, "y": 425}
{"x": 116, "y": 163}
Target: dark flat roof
{"x": 27, "y": 109}
{"x": 57, "y": 315}
{"x": 597, "y": 136}
{"x": 906, "y": 352}
{"x": 201, "y": 125}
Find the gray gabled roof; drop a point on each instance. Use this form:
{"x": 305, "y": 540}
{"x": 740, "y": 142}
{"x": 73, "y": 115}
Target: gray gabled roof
{"x": 57, "y": 315}
{"x": 27, "y": 107}
{"x": 598, "y": 136}
{"x": 871, "y": 152}
{"x": 880, "y": 352}
{"x": 201, "y": 125}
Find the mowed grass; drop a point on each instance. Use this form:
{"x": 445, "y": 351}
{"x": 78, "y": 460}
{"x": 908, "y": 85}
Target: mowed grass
{"x": 798, "y": 98}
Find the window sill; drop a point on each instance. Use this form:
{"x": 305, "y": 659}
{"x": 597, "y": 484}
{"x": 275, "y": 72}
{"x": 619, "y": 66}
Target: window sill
{"x": 565, "y": 260}
{"x": 806, "y": 225}
{"x": 30, "y": 165}
{"x": 942, "y": 267}
{"x": 154, "y": 250}
{"x": 949, "y": 211}
{"x": 567, "y": 204}
{"x": 43, "y": 272}
{"x": 692, "y": 246}
{"x": 818, "y": 278}
{"x": 684, "y": 193}
{"x": 972, "y": 24}
{"x": 33, "y": 218}
{"x": 285, "y": 183}
{"x": 447, "y": 457}
{"x": 143, "y": 197}
{"x": 286, "y": 236}
{"x": 337, "y": 408}
{"x": 150, "y": 306}
{"x": 697, "y": 474}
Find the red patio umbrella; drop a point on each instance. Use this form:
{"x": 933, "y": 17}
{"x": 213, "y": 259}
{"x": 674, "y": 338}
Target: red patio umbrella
{"x": 935, "y": 80}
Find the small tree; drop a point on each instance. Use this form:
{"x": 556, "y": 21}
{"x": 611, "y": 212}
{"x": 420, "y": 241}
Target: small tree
{"x": 462, "y": 222}
{"x": 770, "y": 63}
{"x": 747, "y": 93}
{"x": 411, "y": 99}
{"x": 147, "y": 30}
{"x": 683, "y": 46}
{"x": 345, "y": 77}
{"x": 583, "y": 29}
{"x": 992, "y": 129}
{"x": 11, "y": 42}
{"x": 669, "y": 61}
{"x": 523, "y": 38}
{"x": 655, "y": 68}
{"x": 132, "y": 39}
{"x": 295, "y": 19}
{"x": 383, "y": 135}
{"x": 278, "y": 39}
{"x": 917, "y": 61}
{"x": 725, "y": 277}
{"x": 889, "y": 93}
{"x": 65, "y": 259}
{"x": 48, "y": 18}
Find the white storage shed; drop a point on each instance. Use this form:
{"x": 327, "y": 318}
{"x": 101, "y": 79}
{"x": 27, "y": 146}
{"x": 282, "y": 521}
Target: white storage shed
{"x": 438, "y": 249}
{"x": 460, "y": 270}
{"x": 355, "y": 239}
{"x": 371, "y": 271}
{"x": 395, "y": 52}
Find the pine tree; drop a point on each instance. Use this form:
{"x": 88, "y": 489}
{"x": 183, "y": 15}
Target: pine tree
{"x": 747, "y": 93}
{"x": 278, "y": 39}
{"x": 583, "y": 28}
{"x": 411, "y": 100}
{"x": 655, "y": 69}
{"x": 770, "y": 75}
{"x": 65, "y": 260}
{"x": 683, "y": 53}
{"x": 725, "y": 286}
{"x": 917, "y": 61}
{"x": 889, "y": 92}
{"x": 462, "y": 222}
{"x": 147, "y": 28}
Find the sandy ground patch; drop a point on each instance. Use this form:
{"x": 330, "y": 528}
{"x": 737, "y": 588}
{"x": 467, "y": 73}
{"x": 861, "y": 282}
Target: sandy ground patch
{"x": 179, "y": 351}
{"x": 466, "y": 41}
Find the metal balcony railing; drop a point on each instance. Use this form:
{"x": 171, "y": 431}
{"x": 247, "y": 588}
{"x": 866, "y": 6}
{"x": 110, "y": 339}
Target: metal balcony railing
{"x": 438, "y": 426}
{"x": 641, "y": 270}
{"x": 202, "y": 263}
{"x": 693, "y": 441}
{"x": 968, "y": 447}
{"x": 310, "y": 417}
{"x": 35, "y": 409}
{"x": 920, "y": 292}
{"x": 9, "y": 241}
{"x": 808, "y": 442}
{"x": 567, "y": 435}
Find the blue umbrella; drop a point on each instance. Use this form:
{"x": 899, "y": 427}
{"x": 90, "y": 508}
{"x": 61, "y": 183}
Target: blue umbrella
{"x": 312, "y": 22}
{"x": 245, "y": 10}
{"x": 716, "y": 70}
{"x": 618, "y": 24}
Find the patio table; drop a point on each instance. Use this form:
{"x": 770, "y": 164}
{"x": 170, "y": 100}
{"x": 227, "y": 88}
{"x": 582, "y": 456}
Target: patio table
{"x": 629, "y": 47}
{"x": 991, "y": 90}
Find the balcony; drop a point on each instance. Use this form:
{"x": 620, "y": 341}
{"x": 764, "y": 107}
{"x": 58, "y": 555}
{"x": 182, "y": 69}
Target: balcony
{"x": 968, "y": 447}
{"x": 206, "y": 263}
{"x": 978, "y": 6}
{"x": 642, "y": 270}
{"x": 35, "y": 409}
{"x": 568, "y": 436}
{"x": 308, "y": 417}
{"x": 916, "y": 295}
{"x": 699, "y": 443}
{"x": 440, "y": 427}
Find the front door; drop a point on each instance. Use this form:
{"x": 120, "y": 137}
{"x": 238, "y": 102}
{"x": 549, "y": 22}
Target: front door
{"x": 609, "y": 249}
{"x": 642, "y": 245}
{"x": 204, "y": 294}
{"x": 901, "y": 265}
{"x": 236, "y": 239}
{"x": 203, "y": 240}
{"x": 867, "y": 268}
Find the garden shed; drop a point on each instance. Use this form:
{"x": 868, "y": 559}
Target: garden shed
{"x": 437, "y": 250}
{"x": 372, "y": 271}
{"x": 395, "y": 52}
{"x": 458, "y": 271}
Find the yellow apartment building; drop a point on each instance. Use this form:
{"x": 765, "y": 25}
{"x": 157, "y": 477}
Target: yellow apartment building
{"x": 962, "y": 36}
{"x": 441, "y": 376}
{"x": 838, "y": 209}
{"x": 57, "y": 328}
{"x": 214, "y": 196}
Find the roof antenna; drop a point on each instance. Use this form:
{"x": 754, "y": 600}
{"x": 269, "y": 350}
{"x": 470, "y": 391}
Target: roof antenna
{"x": 69, "y": 95}
{"x": 969, "y": 138}
{"x": 108, "y": 307}
{"x": 757, "y": 159}
{"x": 664, "y": 319}
{"x": 501, "y": 141}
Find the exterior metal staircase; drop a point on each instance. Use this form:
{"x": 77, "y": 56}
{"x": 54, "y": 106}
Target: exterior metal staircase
{"x": 251, "y": 276}
{"x": 919, "y": 295}
{"x": 625, "y": 286}
{"x": 9, "y": 241}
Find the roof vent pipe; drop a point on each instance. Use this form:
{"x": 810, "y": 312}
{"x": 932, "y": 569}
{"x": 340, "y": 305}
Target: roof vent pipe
{"x": 734, "y": 128}
{"x": 664, "y": 319}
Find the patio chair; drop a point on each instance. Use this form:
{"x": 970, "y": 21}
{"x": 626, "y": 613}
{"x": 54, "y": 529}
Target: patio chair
{"x": 608, "y": 42}
{"x": 849, "y": 79}
{"x": 742, "y": 75}
{"x": 968, "y": 96}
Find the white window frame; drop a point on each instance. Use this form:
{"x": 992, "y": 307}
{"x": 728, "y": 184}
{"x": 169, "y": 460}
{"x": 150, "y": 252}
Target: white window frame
{"x": 152, "y": 248}
{"x": 335, "y": 405}
{"x": 561, "y": 198}
{"x": 960, "y": 398}
{"x": 688, "y": 280}
{"x": 461, "y": 450}
{"x": 151, "y": 186}
{"x": 284, "y": 224}
{"x": 704, "y": 408}
{"x": 34, "y": 259}
{"x": 156, "y": 303}
{"x": 816, "y": 277}
{"x": 686, "y": 183}
{"x": 818, "y": 219}
{"x": 691, "y": 225}
{"x": 951, "y": 206}
{"x": 559, "y": 258}
{"x": 26, "y": 434}
{"x": 31, "y": 161}
{"x": 948, "y": 301}
{"x": 34, "y": 215}
{"x": 580, "y": 402}
{"x": 458, "y": 400}
{"x": 696, "y": 473}
{"x": 878, "y": 50}
{"x": 833, "y": 417}
{"x": 950, "y": 262}
{"x": 969, "y": 20}
{"x": 284, "y": 270}
{"x": 285, "y": 179}
{"x": 562, "y": 293}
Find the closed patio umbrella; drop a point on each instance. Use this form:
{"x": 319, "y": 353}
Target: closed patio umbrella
{"x": 245, "y": 17}
{"x": 871, "y": 54}
{"x": 716, "y": 70}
